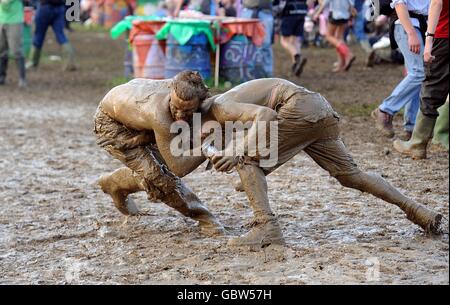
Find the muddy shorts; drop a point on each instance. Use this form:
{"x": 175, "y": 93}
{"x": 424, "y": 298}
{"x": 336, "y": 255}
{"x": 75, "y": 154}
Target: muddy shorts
{"x": 310, "y": 124}
{"x": 145, "y": 161}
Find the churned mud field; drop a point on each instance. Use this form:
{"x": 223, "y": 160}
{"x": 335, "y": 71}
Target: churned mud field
{"x": 56, "y": 226}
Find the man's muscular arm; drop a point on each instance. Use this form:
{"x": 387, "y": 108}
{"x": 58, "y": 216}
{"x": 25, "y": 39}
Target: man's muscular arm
{"x": 179, "y": 165}
{"x": 234, "y": 112}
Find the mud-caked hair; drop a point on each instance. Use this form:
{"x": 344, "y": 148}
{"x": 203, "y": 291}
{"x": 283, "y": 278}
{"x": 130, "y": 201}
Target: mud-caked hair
{"x": 189, "y": 85}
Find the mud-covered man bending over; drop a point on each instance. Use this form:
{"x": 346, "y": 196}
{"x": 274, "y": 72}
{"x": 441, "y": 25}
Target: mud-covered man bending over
{"x": 306, "y": 122}
{"x": 132, "y": 123}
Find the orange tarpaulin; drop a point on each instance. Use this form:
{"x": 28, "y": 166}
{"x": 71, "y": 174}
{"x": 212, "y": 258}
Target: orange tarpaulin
{"x": 253, "y": 29}
{"x": 145, "y": 27}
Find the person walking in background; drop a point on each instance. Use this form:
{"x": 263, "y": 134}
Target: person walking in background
{"x": 293, "y": 14}
{"x": 340, "y": 13}
{"x": 227, "y": 8}
{"x": 51, "y": 13}
{"x": 262, "y": 10}
{"x": 435, "y": 87}
{"x": 359, "y": 25}
{"x": 441, "y": 128}
{"x": 409, "y": 38}
{"x": 11, "y": 38}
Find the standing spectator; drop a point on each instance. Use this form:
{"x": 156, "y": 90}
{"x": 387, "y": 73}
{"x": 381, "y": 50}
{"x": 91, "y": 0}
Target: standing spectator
{"x": 340, "y": 13}
{"x": 441, "y": 128}
{"x": 227, "y": 8}
{"x": 408, "y": 36}
{"x": 293, "y": 14}
{"x": 51, "y": 13}
{"x": 11, "y": 38}
{"x": 381, "y": 45}
{"x": 435, "y": 86}
{"x": 360, "y": 24}
{"x": 262, "y": 10}
{"x": 206, "y": 7}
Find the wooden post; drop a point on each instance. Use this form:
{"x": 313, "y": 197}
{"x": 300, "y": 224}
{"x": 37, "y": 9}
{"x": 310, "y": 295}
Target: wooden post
{"x": 217, "y": 67}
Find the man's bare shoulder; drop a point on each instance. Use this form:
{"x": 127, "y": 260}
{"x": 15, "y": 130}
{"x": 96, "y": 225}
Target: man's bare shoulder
{"x": 137, "y": 89}
{"x": 138, "y": 103}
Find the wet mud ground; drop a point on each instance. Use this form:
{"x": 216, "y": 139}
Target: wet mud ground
{"x": 57, "y": 227}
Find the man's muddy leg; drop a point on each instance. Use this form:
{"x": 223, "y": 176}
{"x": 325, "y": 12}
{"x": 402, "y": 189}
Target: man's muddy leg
{"x": 374, "y": 184}
{"x": 123, "y": 182}
{"x": 266, "y": 229}
{"x": 161, "y": 184}
{"x": 187, "y": 203}
{"x": 332, "y": 155}
{"x": 119, "y": 185}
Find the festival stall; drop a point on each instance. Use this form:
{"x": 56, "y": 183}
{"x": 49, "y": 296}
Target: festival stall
{"x": 240, "y": 58}
{"x": 230, "y": 45}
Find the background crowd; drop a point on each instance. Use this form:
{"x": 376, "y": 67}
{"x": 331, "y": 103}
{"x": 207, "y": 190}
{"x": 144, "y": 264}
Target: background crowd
{"x": 409, "y": 32}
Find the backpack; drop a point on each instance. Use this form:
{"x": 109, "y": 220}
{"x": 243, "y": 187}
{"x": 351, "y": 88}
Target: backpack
{"x": 385, "y": 7}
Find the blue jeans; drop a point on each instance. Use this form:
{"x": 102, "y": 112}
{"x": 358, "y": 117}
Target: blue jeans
{"x": 407, "y": 92}
{"x": 266, "y": 19}
{"x": 358, "y": 27}
{"x": 48, "y": 15}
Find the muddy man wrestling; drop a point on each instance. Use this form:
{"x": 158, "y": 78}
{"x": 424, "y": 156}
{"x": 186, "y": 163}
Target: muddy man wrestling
{"x": 133, "y": 123}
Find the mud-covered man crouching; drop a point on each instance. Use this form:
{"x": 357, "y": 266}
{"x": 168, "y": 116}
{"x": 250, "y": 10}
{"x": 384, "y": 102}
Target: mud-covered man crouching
{"x": 306, "y": 121}
{"x": 132, "y": 123}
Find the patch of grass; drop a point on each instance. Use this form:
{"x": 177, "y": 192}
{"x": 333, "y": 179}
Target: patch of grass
{"x": 118, "y": 81}
{"x": 223, "y": 86}
{"x": 93, "y": 28}
{"x": 355, "y": 110}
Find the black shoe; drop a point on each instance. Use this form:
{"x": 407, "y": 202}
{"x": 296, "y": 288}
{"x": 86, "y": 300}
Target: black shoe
{"x": 3, "y": 69}
{"x": 296, "y": 63}
{"x": 299, "y": 69}
{"x": 371, "y": 59}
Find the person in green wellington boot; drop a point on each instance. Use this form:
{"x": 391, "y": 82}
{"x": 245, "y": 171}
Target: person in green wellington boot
{"x": 435, "y": 87}
{"x": 11, "y": 40}
{"x": 441, "y": 128}
{"x": 51, "y": 13}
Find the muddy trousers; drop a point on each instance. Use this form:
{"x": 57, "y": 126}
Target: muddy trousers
{"x": 11, "y": 42}
{"x": 255, "y": 186}
{"x": 327, "y": 149}
{"x": 377, "y": 186}
{"x": 125, "y": 181}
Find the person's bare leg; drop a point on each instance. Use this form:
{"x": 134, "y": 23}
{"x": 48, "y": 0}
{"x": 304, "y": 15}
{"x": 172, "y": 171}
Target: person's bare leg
{"x": 266, "y": 229}
{"x": 347, "y": 54}
{"x": 373, "y": 184}
{"x": 287, "y": 44}
{"x": 330, "y": 36}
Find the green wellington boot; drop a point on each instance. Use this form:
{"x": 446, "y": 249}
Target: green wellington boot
{"x": 416, "y": 147}
{"x": 68, "y": 57}
{"x": 33, "y": 59}
{"x": 441, "y": 129}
